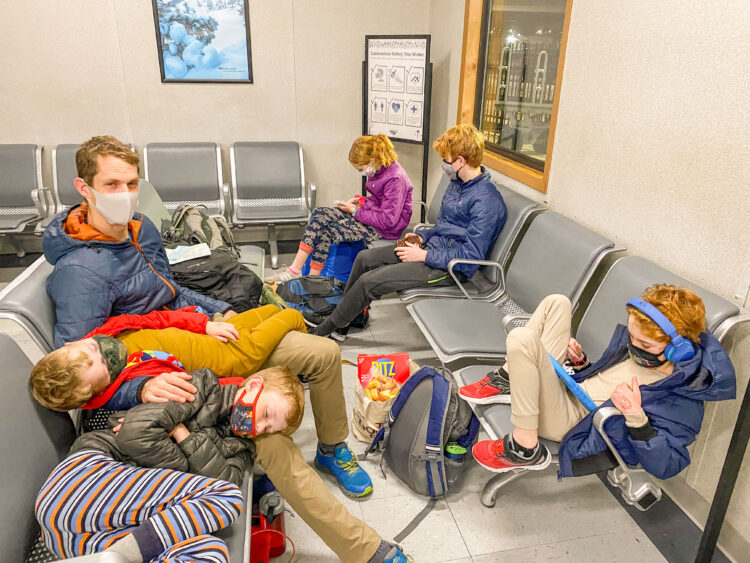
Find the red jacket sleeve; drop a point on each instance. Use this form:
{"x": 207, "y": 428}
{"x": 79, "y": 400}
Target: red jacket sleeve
{"x": 185, "y": 318}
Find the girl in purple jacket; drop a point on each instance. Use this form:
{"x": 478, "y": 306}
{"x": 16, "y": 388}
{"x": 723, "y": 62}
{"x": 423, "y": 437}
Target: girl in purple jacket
{"x": 384, "y": 213}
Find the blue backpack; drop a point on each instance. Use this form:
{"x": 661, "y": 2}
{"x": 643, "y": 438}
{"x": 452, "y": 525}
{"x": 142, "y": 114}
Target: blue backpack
{"x": 314, "y": 296}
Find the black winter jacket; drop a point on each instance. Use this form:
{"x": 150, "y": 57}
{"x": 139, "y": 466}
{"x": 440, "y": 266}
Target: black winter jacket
{"x": 211, "y": 449}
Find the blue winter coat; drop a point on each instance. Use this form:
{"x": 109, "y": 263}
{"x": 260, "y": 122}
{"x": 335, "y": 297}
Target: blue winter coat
{"x": 674, "y": 407}
{"x": 94, "y": 280}
{"x": 471, "y": 216}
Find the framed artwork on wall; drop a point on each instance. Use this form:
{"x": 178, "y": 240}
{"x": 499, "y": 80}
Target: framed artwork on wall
{"x": 203, "y": 40}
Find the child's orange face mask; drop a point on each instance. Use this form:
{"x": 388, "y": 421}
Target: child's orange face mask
{"x": 243, "y": 414}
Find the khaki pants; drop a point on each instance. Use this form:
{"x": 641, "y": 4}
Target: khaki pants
{"x": 540, "y": 401}
{"x": 319, "y": 359}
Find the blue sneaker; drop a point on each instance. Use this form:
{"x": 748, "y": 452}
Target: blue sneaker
{"x": 344, "y": 466}
{"x": 397, "y": 556}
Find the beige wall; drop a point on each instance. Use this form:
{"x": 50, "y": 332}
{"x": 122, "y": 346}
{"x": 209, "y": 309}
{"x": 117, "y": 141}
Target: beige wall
{"x": 651, "y": 150}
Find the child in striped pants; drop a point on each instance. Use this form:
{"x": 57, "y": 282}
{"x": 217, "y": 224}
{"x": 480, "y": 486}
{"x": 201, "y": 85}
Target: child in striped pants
{"x": 91, "y": 503}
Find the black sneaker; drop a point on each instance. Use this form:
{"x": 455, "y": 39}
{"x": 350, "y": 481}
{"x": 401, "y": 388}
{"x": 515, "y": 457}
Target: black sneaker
{"x": 491, "y": 389}
{"x": 327, "y": 329}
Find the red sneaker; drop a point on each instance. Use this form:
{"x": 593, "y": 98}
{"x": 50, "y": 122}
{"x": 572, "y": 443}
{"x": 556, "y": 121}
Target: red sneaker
{"x": 492, "y": 388}
{"x": 499, "y": 456}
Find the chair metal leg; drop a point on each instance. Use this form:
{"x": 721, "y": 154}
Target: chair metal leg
{"x": 274, "y": 246}
{"x": 20, "y": 251}
{"x": 500, "y": 480}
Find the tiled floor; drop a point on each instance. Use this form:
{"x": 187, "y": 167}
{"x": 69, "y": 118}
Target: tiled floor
{"x": 536, "y": 518}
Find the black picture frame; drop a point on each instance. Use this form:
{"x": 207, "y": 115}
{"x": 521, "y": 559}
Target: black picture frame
{"x": 175, "y": 26}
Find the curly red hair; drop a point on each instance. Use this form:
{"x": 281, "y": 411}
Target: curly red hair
{"x": 684, "y": 309}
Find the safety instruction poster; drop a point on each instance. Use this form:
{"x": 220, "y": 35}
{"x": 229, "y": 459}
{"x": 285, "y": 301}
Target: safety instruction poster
{"x": 395, "y": 85}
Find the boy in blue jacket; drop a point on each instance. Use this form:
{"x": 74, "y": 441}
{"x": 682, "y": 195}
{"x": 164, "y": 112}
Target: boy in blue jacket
{"x": 657, "y": 371}
{"x": 471, "y": 216}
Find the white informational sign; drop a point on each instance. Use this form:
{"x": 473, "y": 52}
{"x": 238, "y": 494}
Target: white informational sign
{"x": 395, "y": 68}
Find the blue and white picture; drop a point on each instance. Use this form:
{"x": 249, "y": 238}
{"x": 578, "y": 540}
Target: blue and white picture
{"x": 203, "y": 40}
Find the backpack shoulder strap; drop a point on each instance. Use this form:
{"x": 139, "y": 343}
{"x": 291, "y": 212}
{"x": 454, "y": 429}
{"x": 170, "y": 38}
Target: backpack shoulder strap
{"x": 441, "y": 389}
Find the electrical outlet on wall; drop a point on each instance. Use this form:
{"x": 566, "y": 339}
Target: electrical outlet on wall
{"x": 742, "y": 295}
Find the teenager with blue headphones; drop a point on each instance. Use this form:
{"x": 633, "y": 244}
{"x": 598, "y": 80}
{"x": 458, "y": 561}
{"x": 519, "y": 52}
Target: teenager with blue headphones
{"x": 657, "y": 371}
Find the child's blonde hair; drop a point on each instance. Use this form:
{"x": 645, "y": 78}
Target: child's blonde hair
{"x": 461, "y": 140}
{"x": 375, "y": 148}
{"x": 56, "y": 383}
{"x": 288, "y": 385}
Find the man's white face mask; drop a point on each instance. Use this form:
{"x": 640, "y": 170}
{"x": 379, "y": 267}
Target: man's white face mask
{"x": 117, "y": 208}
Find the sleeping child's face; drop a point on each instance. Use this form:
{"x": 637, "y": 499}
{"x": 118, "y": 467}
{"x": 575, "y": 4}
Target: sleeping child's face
{"x": 97, "y": 374}
{"x": 259, "y": 410}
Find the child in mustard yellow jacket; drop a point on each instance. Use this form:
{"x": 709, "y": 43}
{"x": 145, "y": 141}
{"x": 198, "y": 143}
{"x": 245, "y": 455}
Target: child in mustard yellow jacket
{"x": 115, "y": 365}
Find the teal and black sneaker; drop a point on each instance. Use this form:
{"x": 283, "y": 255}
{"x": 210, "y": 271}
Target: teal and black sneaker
{"x": 344, "y": 466}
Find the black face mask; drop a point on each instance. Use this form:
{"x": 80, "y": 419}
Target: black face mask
{"x": 115, "y": 353}
{"x": 644, "y": 358}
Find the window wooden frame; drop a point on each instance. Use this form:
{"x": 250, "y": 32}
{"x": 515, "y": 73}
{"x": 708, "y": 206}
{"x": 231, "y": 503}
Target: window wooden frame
{"x": 467, "y": 96}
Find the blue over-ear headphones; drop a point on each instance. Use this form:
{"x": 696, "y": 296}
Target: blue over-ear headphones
{"x": 679, "y": 348}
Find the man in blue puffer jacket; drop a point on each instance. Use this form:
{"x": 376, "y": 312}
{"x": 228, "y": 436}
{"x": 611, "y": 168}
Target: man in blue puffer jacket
{"x": 108, "y": 259}
{"x": 471, "y": 216}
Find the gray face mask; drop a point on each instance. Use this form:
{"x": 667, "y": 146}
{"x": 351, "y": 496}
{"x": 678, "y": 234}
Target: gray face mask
{"x": 449, "y": 171}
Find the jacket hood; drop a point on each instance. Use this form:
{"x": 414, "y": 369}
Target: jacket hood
{"x": 707, "y": 376}
{"x": 68, "y": 231}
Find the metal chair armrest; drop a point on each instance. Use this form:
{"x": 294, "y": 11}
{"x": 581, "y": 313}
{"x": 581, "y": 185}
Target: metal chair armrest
{"x": 636, "y": 485}
{"x": 452, "y": 264}
{"x": 420, "y": 226}
{"x": 42, "y": 198}
{"x": 226, "y": 196}
{"x": 311, "y": 196}
{"x": 602, "y": 415}
{"x": 508, "y": 319}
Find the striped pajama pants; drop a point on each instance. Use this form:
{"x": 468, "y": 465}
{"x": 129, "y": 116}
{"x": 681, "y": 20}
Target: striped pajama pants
{"x": 90, "y": 501}
{"x": 330, "y": 225}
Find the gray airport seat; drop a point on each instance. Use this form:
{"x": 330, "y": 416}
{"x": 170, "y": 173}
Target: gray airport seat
{"x": 433, "y": 209}
{"x": 35, "y": 440}
{"x": 24, "y": 201}
{"x": 556, "y": 255}
{"x": 64, "y": 173}
{"x": 269, "y": 188}
{"x": 25, "y": 302}
{"x": 628, "y": 277}
{"x": 488, "y": 281}
{"x": 186, "y": 173}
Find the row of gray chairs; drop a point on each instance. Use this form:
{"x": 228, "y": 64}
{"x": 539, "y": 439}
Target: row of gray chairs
{"x": 546, "y": 254}
{"x": 268, "y": 184}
